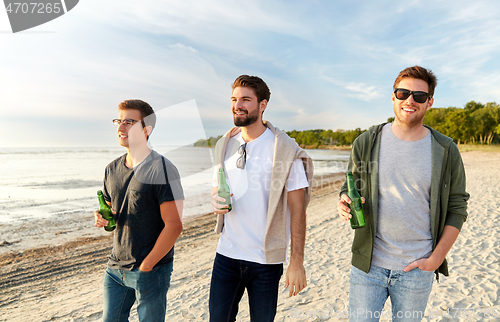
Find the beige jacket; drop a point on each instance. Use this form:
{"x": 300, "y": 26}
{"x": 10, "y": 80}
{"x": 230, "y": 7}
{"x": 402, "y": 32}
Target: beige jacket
{"x": 286, "y": 150}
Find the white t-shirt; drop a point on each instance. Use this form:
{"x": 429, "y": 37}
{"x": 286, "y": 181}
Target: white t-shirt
{"x": 245, "y": 225}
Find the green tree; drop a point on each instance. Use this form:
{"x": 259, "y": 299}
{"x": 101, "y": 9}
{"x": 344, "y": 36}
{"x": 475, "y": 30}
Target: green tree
{"x": 211, "y": 142}
{"x": 327, "y": 137}
{"x": 351, "y": 135}
{"x": 458, "y": 125}
{"x": 484, "y": 120}
{"x": 473, "y": 106}
{"x": 435, "y": 118}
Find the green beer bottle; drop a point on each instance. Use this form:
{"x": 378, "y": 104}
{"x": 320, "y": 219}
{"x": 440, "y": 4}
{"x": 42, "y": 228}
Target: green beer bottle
{"x": 106, "y": 212}
{"x": 223, "y": 190}
{"x": 358, "y": 218}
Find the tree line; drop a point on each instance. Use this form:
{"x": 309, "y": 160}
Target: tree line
{"x": 473, "y": 124}
{"x": 476, "y": 123}
{"x": 317, "y": 138}
{"x": 210, "y": 143}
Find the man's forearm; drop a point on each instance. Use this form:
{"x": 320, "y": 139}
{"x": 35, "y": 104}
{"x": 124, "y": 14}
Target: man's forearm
{"x": 444, "y": 245}
{"x": 298, "y": 238}
{"x": 295, "y": 278}
{"x": 163, "y": 245}
{"x": 297, "y": 224}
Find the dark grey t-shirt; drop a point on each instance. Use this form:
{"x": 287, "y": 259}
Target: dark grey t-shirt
{"x": 136, "y": 195}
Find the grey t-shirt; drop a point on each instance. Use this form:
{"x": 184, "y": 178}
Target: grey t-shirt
{"x": 403, "y": 223}
{"x": 136, "y": 196}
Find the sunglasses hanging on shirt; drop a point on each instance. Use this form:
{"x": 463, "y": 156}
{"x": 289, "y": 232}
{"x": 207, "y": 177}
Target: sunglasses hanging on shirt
{"x": 242, "y": 160}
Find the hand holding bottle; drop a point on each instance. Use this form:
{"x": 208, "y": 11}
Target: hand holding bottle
{"x": 104, "y": 216}
{"x": 355, "y": 203}
{"x": 343, "y": 206}
{"x": 219, "y": 205}
{"x": 221, "y": 201}
{"x": 99, "y": 221}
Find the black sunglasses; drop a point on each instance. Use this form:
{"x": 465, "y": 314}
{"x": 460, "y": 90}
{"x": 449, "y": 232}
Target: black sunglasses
{"x": 242, "y": 160}
{"x": 403, "y": 94}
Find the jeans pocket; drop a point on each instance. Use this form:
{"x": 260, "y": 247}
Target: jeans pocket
{"x": 148, "y": 272}
{"x": 147, "y": 281}
{"x": 424, "y": 271}
{"x": 419, "y": 278}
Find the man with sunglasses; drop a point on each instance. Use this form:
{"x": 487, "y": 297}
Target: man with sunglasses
{"x": 145, "y": 190}
{"x": 269, "y": 178}
{"x": 413, "y": 181}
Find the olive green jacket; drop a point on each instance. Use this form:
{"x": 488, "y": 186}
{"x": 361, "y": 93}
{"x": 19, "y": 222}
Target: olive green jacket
{"x": 448, "y": 204}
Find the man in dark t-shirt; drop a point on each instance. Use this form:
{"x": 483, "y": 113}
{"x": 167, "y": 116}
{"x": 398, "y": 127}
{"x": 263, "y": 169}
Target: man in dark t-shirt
{"x": 144, "y": 190}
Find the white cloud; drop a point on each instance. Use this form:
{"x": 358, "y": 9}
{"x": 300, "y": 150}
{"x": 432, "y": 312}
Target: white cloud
{"x": 358, "y": 90}
{"x": 183, "y": 47}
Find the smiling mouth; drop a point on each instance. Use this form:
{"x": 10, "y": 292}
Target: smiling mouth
{"x": 409, "y": 109}
{"x": 239, "y": 113}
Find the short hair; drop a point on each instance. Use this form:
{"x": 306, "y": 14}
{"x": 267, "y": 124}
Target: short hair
{"x": 256, "y": 83}
{"x": 418, "y": 72}
{"x": 147, "y": 113}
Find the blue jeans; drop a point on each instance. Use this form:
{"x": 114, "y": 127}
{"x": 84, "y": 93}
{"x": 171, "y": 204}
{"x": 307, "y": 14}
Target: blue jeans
{"x": 122, "y": 288}
{"x": 230, "y": 277}
{"x": 409, "y": 293}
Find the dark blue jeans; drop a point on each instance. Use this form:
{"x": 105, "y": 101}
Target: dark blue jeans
{"x": 230, "y": 277}
{"x": 122, "y": 288}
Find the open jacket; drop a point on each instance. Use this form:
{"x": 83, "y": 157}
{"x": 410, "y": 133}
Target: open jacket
{"x": 448, "y": 204}
{"x": 286, "y": 150}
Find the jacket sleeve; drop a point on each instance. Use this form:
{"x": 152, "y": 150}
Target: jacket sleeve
{"x": 456, "y": 212}
{"x": 354, "y": 162}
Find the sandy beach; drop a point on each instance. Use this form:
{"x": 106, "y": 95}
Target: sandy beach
{"x": 52, "y": 269}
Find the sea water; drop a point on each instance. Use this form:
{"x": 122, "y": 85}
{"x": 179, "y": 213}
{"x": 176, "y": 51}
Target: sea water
{"x": 45, "y": 182}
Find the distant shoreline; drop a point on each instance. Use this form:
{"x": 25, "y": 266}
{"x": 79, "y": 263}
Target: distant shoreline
{"x": 303, "y": 146}
{"x": 326, "y": 147}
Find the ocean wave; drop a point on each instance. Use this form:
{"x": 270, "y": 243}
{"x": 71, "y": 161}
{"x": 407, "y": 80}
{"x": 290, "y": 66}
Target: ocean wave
{"x": 64, "y": 184}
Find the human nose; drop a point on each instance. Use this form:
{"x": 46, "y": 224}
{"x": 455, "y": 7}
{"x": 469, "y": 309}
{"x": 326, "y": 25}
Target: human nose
{"x": 238, "y": 103}
{"x": 122, "y": 126}
{"x": 410, "y": 99}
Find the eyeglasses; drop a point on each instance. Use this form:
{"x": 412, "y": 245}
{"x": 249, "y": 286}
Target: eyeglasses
{"x": 419, "y": 97}
{"x": 242, "y": 160}
{"x": 126, "y": 122}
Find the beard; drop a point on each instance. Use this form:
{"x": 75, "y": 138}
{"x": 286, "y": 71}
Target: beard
{"x": 415, "y": 122}
{"x": 409, "y": 122}
{"x": 248, "y": 120}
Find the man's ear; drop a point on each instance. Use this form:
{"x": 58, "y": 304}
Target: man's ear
{"x": 430, "y": 103}
{"x": 147, "y": 130}
{"x": 262, "y": 106}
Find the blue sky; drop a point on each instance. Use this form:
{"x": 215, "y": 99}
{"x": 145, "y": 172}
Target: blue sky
{"x": 329, "y": 64}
